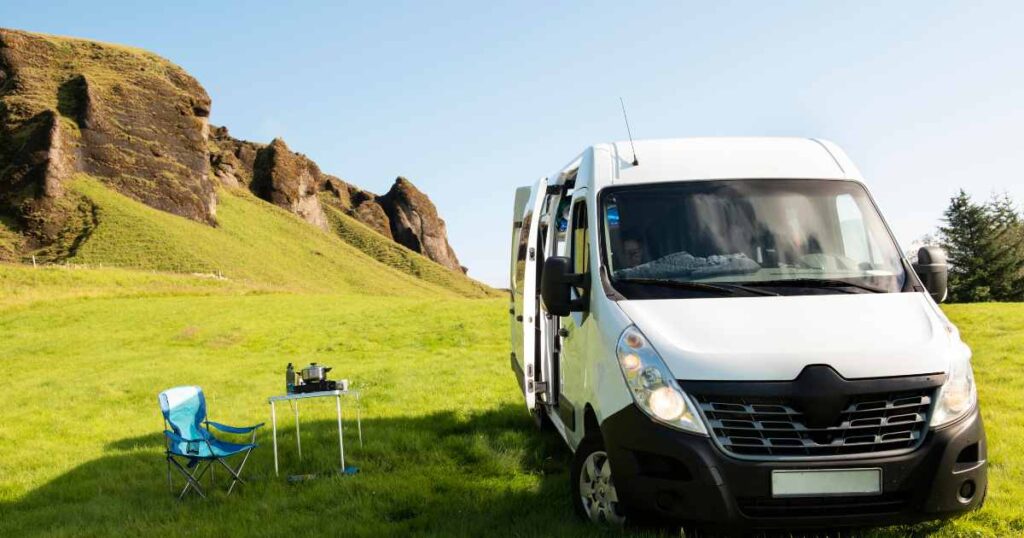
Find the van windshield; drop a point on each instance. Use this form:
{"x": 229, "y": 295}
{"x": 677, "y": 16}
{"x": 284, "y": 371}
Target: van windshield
{"x": 747, "y": 237}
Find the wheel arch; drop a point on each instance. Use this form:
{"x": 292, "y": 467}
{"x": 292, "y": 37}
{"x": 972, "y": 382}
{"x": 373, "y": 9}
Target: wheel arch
{"x": 591, "y": 426}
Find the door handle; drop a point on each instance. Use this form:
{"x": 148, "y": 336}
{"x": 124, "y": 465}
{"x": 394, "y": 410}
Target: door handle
{"x": 563, "y": 332}
{"x": 519, "y": 318}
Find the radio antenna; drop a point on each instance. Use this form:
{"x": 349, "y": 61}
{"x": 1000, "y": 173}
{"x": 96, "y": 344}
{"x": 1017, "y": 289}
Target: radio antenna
{"x": 629, "y": 132}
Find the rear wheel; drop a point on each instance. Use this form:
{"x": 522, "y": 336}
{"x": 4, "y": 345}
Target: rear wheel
{"x": 594, "y": 494}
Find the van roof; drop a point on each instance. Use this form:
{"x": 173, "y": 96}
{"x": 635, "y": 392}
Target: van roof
{"x": 681, "y": 159}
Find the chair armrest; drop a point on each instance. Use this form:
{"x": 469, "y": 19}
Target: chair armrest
{"x": 233, "y": 429}
{"x": 179, "y": 439}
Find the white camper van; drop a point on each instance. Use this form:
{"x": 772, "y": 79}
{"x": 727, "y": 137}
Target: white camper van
{"x": 725, "y": 331}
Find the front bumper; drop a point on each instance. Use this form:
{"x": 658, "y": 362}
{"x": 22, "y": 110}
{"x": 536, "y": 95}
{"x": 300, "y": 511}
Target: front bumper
{"x": 668, "y": 474}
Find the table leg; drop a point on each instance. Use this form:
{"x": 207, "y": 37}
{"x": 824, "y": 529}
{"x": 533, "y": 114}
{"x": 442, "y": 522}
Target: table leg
{"x": 273, "y": 421}
{"x": 341, "y": 437}
{"x": 359, "y": 419}
{"x": 298, "y": 432}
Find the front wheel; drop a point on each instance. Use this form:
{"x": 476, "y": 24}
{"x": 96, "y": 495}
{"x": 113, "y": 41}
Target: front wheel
{"x": 594, "y": 495}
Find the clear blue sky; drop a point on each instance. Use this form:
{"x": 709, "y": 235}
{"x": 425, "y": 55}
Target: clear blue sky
{"x": 470, "y": 100}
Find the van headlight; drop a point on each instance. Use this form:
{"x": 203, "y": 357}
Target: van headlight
{"x": 958, "y": 395}
{"x": 651, "y": 384}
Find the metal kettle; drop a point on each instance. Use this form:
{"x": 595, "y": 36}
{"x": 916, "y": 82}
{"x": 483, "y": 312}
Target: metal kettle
{"x": 315, "y": 373}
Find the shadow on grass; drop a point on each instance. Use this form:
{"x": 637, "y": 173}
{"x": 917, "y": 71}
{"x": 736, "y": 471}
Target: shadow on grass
{"x": 488, "y": 473}
{"x": 444, "y": 474}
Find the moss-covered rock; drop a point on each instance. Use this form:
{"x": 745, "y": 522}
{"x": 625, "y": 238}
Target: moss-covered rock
{"x": 128, "y": 117}
{"x": 289, "y": 180}
{"x": 416, "y": 224}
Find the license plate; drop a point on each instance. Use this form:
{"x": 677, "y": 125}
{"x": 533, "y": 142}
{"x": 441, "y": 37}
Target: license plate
{"x": 814, "y": 482}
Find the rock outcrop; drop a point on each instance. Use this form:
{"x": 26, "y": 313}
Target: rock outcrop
{"x": 293, "y": 181}
{"x": 289, "y": 180}
{"x": 140, "y": 124}
{"x": 127, "y": 117}
{"x": 416, "y": 224}
{"x": 231, "y": 160}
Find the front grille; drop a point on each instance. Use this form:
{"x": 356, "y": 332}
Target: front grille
{"x": 769, "y": 426}
{"x": 887, "y": 503}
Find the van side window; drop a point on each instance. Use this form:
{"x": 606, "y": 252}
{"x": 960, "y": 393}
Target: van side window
{"x": 580, "y": 241}
{"x": 524, "y": 241}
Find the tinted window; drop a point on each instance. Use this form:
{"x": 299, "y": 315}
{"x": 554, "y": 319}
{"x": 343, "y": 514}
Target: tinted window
{"x": 749, "y": 231}
{"x": 524, "y": 241}
{"x": 580, "y": 241}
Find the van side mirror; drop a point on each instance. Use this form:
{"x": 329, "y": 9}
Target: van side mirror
{"x": 931, "y": 267}
{"x": 556, "y": 282}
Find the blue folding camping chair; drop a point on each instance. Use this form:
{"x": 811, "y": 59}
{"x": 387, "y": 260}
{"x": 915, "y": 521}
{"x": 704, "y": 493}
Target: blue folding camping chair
{"x": 189, "y": 439}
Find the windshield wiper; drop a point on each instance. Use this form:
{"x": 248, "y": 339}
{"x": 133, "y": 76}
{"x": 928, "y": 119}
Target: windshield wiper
{"x": 816, "y": 283}
{"x": 730, "y": 289}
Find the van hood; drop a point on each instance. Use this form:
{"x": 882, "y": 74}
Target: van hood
{"x": 774, "y": 338}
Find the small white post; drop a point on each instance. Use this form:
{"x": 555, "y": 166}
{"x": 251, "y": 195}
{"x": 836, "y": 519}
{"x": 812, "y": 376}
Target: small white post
{"x": 34, "y": 266}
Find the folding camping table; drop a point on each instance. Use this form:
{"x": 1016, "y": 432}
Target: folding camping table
{"x": 294, "y": 399}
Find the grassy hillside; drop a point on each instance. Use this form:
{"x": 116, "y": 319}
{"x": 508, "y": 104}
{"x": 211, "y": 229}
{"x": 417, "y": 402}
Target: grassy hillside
{"x": 399, "y": 257}
{"x": 254, "y": 242}
{"x": 449, "y": 449}
{"x": 22, "y": 285}
{"x": 10, "y": 241}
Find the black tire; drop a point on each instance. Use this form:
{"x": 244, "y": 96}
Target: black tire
{"x": 603, "y": 506}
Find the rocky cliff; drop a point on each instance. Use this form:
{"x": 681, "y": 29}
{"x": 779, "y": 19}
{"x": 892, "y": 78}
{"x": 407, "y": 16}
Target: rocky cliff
{"x": 415, "y": 223}
{"x": 294, "y": 182}
{"x": 139, "y": 124}
{"x": 123, "y": 115}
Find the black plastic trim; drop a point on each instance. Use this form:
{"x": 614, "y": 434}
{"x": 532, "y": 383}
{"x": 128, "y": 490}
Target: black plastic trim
{"x": 788, "y": 388}
{"x": 729, "y": 496}
{"x": 821, "y": 391}
{"x": 567, "y": 412}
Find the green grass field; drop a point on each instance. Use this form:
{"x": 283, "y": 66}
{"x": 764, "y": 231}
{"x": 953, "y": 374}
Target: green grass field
{"x": 449, "y": 449}
{"x": 256, "y": 242}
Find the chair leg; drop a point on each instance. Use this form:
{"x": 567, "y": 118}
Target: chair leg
{"x": 196, "y": 480}
{"x": 191, "y": 480}
{"x": 235, "y": 473}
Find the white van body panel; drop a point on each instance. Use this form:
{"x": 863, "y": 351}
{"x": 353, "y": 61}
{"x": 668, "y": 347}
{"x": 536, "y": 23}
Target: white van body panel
{"x": 516, "y": 326}
{"x": 530, "y": 291}
{"x": 774, "y": 338}
{"x": 604, "y": 387}
{"x": 695, "y": 159}
{"x": 591, "y": 374}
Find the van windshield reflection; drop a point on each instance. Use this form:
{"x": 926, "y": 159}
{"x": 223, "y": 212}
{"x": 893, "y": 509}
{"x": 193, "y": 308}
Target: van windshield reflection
{"x": 791, "y": 237}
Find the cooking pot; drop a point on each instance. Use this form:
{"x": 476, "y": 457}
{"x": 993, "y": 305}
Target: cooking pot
{"x": 315, "y": 372}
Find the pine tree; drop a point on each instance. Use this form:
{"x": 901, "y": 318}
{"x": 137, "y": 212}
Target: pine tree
{"x": 1007, "y": 267}
{"x": 985, "y": 247}
{"x": 967, "y": 240}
